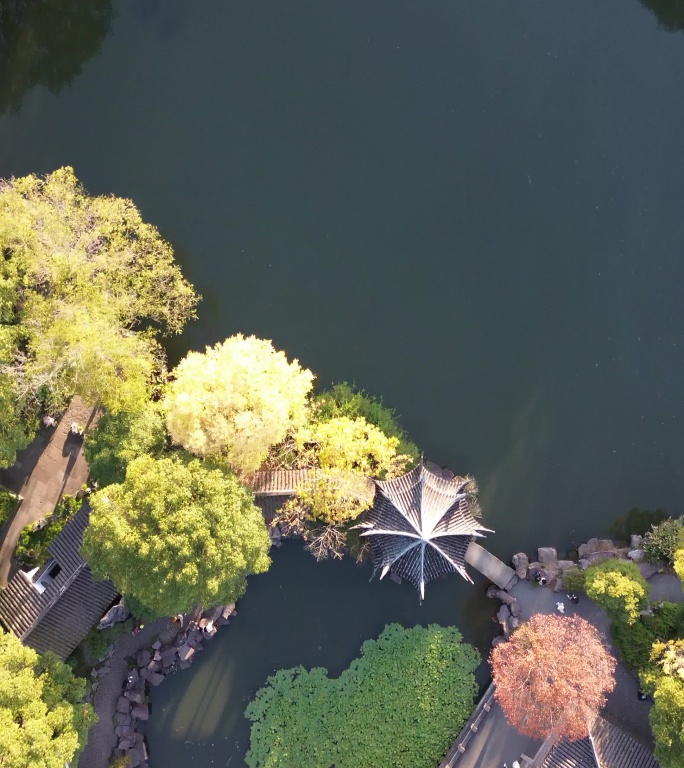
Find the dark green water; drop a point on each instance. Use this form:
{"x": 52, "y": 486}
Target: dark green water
{"x": 474, "y": 209}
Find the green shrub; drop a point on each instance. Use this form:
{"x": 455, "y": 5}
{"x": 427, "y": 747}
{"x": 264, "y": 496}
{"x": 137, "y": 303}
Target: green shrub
{"x": 99, "y": 640}
{"x": 574, "y": 580}
{"x": 636, "y": 521}
{"x": 662, "y": 541}
{"x": 8, "y": 503}
{"x": 344, "y": 400}
{"x": 634, "y": 641}
{"x": 667, "y": 621}
{"x": 32, "y": 549}
{"x": 619, "y": 587}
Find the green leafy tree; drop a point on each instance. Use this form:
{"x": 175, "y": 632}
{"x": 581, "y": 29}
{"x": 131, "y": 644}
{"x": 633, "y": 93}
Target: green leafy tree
{"x": 42, "y": 718}
{"x": 344, "y": 400}
{"x": 401, "y": 703}
{"x": 663, "y": 540}
{"x": 619, "y": 587}
{"x": 236, "y": 401}
{"x": 176, "y": 533}
{"x": 13, "y": 431}
{"x": 664, "y": 680}
{"x": 119, "y": 438}
{"x": 85, "y": 289}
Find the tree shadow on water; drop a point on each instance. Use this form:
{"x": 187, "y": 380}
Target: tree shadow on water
{"x": 46, "y": 42}
{"x": 670, "y": 13}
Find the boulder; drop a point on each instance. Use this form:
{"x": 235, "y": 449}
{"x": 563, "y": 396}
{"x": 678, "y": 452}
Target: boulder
{"x": 548, "y": 556}
{"x": 584, "y": 563}
{"x": 637, "y": 555}
{"x": 605, "y": 544}
{"x": 534, "y": 569}
{"x": 153, "y": 666}
{"x": 233, "y": 612}
{"x": 144, "y": 658}
{"x": 503, "y": 614}
{"x": 156, "y": 656}
{"x": 136, "y": 697}
{"x": 513, "y": 623}
{"x": 520, "y": 560}
{"x": 636, "y": 542}
{"x": 119, "y": 612}
{"x": 558, "y": 585}
{"x": 123, "y": 705}
{"x": 140, "y": 712}
{"x": 123, "y": 731}
{"x": 586, "y": 549}
{"x": 565, "y": 565}
{"x": 132, "y": 676}
{"x": 121, "y": 719}
{"x": 156, "y": 645}
{"x": 155, "y": 678}
{"x": 185, "y": 652}
{"x": 598, "y": 557}
{"x": 498, "y": 640}
{"x": 515, "y": 609}
{"x": 185, "y": 664}
{"x": 137, "y": 755}
{"x": 228, "y": 610}
{"x": 648, "y": 570}
{"x": 124, "y": 745}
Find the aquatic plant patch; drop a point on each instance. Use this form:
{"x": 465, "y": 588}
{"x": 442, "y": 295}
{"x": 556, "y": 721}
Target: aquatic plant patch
{"x": 401, "y": 703}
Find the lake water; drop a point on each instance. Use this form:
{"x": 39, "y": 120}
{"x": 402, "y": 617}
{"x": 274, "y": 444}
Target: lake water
{"x": 475, "y": 210}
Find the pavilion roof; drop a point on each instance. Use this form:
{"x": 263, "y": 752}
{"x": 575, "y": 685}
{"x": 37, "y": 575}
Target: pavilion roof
{"x": 420, "y": 526}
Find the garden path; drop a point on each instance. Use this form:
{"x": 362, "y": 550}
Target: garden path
{"x": 101, "y": 738}
{"x": 60, "y": 469}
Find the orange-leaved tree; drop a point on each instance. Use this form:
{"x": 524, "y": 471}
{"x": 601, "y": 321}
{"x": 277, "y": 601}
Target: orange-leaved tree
{"x": 552, "y": 676}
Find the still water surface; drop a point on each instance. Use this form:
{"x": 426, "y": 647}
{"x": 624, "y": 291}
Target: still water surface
{"x": 473, "y": 209}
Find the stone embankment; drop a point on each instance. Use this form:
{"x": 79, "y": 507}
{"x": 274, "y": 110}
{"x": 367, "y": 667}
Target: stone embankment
{"x": 148, "y": 669}
{"x": 548, "y": 570}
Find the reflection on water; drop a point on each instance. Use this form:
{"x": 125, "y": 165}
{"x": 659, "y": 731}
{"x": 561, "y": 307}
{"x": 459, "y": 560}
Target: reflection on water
{"x": 46, "y": 42}
{"x": 300, "y": 612}
{"x": 670, "y": 13}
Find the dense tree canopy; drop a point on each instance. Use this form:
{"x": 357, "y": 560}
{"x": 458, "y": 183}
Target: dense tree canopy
{"x": 344, "y": 400}
{"x": 85, "y": 288}
{"x": 619, "y": 587}
{"x": 664, "y": 680}
{"x": 401, "y": 704}
{"x": 176, "y": 533}
{"x": 42, "y": 720}
{"x": 552, "y": 676}
{"x": 119, "y": 438}
{"x": 236, "y": 401}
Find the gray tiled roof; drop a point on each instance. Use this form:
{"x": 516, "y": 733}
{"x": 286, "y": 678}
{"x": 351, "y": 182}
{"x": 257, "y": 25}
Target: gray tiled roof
{"x": 58, "y": 618}
{"x": 616, "y": 749}
{"x": 607, "y": 747}
{"x": 571, "y": 754}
